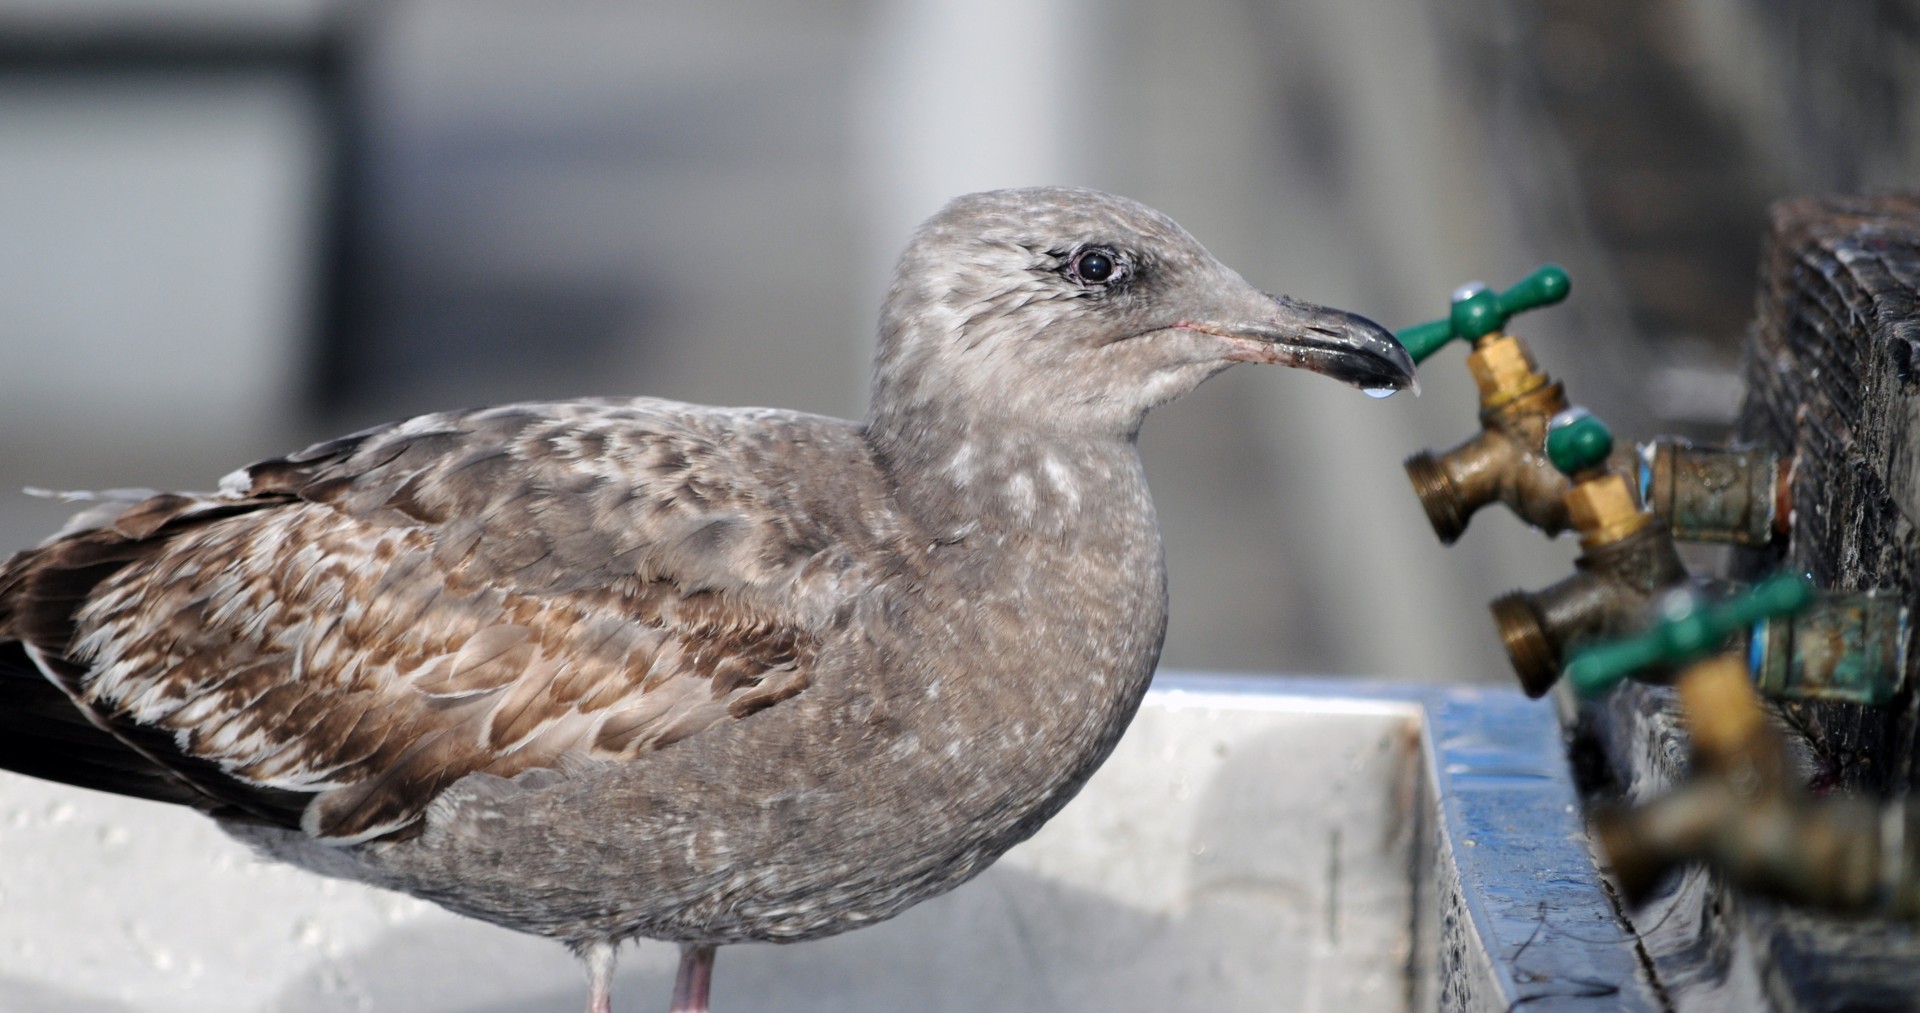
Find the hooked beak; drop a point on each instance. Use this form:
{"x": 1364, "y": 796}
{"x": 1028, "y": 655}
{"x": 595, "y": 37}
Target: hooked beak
{"x": 1345, "y": 346}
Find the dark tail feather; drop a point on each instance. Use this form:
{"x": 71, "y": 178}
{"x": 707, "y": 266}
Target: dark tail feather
{"x": 43, "y": 735}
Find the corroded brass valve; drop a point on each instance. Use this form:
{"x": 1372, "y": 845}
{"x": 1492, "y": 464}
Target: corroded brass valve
{"x": 1741, "y": 495}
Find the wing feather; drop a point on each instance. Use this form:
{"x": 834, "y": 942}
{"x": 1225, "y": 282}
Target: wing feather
{"x": 361, "y": 624}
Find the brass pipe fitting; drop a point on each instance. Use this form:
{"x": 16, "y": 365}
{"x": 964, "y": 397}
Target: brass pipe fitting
{"x": 1604, "y": 511}
{"x": 1843, "y": 646}
{"x": 1731, "y": 736}
{"x": 1741, "y": 495}
{"x": 1503, "y": 462}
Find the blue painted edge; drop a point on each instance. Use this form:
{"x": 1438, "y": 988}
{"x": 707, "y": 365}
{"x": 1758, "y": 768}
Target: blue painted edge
{"x": 1510, "y": 824}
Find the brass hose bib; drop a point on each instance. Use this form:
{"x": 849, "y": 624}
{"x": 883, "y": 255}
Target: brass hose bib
{"x": 1503, "y": 461}
{"x": 1626, "y": 560}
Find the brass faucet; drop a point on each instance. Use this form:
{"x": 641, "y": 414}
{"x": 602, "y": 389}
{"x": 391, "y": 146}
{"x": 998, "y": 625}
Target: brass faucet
{"x": 1626, "y": 561}
{"x": 1742, "y": 811}
{"x": 1503, "y": 462}
{"x": 1743, "y": 814}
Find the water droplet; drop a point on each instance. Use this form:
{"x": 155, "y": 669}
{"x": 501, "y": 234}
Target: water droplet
{"x": 1380, "y": 392}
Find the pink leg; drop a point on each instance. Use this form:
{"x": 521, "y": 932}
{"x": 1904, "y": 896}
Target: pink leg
{"x": 695, "y": 977}
{"x": 599, "y": 960}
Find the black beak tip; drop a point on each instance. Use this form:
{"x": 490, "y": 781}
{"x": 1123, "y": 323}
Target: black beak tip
{"x": 1377, "y": 360}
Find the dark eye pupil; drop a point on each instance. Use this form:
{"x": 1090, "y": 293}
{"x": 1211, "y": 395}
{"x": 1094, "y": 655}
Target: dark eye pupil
{"x": 1094, "y": 266}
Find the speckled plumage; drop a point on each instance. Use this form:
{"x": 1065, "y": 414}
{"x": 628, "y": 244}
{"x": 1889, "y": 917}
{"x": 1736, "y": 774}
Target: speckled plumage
{"x": 617, "y": 668}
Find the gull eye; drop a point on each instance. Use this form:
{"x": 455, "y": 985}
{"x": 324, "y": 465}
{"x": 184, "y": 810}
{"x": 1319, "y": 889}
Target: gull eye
{"x": 1096, "y": 265}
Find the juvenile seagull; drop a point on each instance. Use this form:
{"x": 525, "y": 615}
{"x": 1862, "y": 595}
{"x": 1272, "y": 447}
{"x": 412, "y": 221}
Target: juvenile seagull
{"x": 608, "y": 669}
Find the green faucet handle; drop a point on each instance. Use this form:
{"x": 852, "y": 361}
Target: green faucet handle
{"x": 1578, "y": 440}
{"x": 1548, "y": 284}
{"x": 1689, "y": 631}
{"x": 1478, "y": 311}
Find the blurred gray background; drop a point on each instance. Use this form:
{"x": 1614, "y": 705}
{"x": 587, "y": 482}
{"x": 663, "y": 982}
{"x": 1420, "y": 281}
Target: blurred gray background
{"x": 231, "y": 227}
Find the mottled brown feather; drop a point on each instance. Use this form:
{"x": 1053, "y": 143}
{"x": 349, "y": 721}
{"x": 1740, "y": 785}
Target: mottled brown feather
{"x": 367, "y": 621}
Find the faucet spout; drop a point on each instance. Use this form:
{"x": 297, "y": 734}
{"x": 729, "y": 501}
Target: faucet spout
{"x": 1610, "y": 593}
{"x": 1501, "y": 463}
